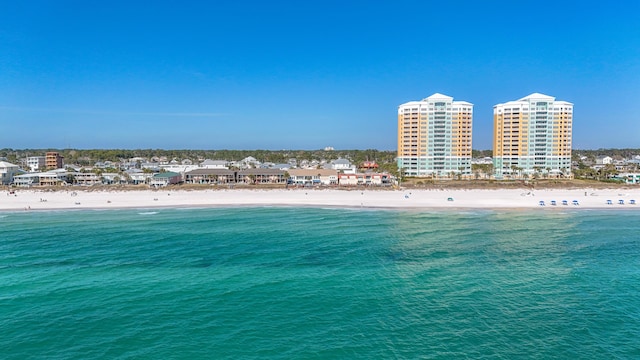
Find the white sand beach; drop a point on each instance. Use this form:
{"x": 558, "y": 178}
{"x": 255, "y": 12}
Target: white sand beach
{"x": 417, "y": 199}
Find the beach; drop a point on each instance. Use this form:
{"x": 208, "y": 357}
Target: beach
{"x": 34, "y": 199}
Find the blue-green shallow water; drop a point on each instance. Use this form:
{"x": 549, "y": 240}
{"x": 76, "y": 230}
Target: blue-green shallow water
{"x": 283, "y": 283}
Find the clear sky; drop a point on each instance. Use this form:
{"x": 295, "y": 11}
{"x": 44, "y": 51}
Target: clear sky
{"x": 304, "y": 74}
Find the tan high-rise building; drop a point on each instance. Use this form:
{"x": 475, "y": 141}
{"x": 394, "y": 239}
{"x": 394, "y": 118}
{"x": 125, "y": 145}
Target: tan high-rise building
{"x": 532, "y": 135}
{"x": 53, "y": 160}
{"x": 434, "y": 137}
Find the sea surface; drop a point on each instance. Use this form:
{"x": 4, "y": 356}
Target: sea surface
{"x": 310, "y": 283}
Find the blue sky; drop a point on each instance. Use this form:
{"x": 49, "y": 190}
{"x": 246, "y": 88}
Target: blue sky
{"x": 304, "y": 74}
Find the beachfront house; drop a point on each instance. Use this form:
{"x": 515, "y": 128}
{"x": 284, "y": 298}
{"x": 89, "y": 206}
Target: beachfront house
{"x": 26, "y": 180}
{"x": 164, "y": 179}
{"x": 365, "y": 179}
{"x": 629, "y": 178}
{"x": 86, "y": 178}
{"x": 313, "y": 176}
{"x": 49, "y": 178}
{"x": 7, "y": 172}
{"x": 262, "y": 176}
{"x": 113, "y": 178}
{"x": 138, "y": 176}
{"x": 210, "y": 176}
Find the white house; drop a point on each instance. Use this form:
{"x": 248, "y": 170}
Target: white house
{"x": 313, "y": 176}
{"x": 139, "y": 177}
{"x": 164, "y": 179}
{"x": 36, "y": 163}
{"x": 86, "y": 178}
{"x": 604, "y": 160}
{"x": 214, "y": 164}
{"x": 178, "y": 168}
{"x": 250, "y": 161}
{"x": 376, "y": 179}
{"x": 7, "y": 172}
{"x": 49, "y": 178}
{"x": 340, "y": 164}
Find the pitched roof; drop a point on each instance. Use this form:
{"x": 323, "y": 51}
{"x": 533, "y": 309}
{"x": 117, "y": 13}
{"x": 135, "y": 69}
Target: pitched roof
{"x": 261, "y": 172}
{"x": 167, "y": 174}
{"x": 209, "y": 172}
{"x": 312, "y": 172}
{"x": 5, "y": 164}
{"x": 213, "y": 162}
{"x": 438, "y": 96}
{"x": 537, "y": 96}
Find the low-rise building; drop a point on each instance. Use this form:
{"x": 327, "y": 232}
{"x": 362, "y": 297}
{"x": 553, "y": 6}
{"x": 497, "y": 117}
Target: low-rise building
{"x": 365, "y": 179}
{"x": 340, "y": 164}
{"x": 53, "y": 160}
{"x": 604, "y": 160}
{"x": 86, "y": 178}
{"x": 210, "y": 176}
{"x": 313, "y": 176}
{"x": 7, "y": 172}
{"x": 49, "y": 178}
{"x": 138, "y": 177}
{"x": 214, "y": 164}
{"x": 165, "y": 178}
{"x": 261, "y": 176}
{"x": 36, "y": 163}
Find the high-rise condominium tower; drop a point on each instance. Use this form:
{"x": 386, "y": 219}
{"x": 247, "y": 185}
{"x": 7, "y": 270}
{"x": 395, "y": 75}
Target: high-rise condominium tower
{"x": 434, "y": 137}
{"x": 532, "y": 135}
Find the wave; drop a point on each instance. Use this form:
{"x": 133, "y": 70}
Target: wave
{"x": 148, "y": 213}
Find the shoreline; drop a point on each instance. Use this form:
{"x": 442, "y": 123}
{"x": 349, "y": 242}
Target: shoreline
{"x": 410, "y": 199}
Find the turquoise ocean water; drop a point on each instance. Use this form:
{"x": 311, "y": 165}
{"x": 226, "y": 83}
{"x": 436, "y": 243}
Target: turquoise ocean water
{"x": 305, "y": 283}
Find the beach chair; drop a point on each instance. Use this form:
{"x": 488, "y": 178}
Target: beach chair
{"x": 553, "y": 202}
{"x": 449, "y": 199}
{"x": 609, "y": 202}
{"x": 541, "y": 203}
{"x": 565, "y": 202}
{"x": 575, "y": 202}
{"x": 632, "y": 202}
{"x": 621, "y": 202}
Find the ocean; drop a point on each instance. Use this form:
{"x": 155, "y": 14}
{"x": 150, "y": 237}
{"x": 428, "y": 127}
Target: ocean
{"x": 312, "y": 283}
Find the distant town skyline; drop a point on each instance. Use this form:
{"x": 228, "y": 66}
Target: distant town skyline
{"x": 287, "y": 75}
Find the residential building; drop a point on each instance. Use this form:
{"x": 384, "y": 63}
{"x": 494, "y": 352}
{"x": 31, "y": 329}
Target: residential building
{"x": 313, "y": 176}
{"x": 49, "y": 178}
{"x": 262, "y": 176}
{"x": 532, "y": 135}
{"x": 604, "y": 160}
{"x": 164, "y": 179}
{"x": 366, "y": 179}
{"x": 178, "y": 168}
{"x": 340, "y": 164}
{"x": 138, "y": 176}
{"x": 36, "y": 163}
{"x": 210, "y": 176}
{"x": 7, "y": 172}
{"x": 214, "y": 164}
{"x": 434, "y": 137}
{"x": 86, "y": 178}
{"x": 53, "y": 160}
